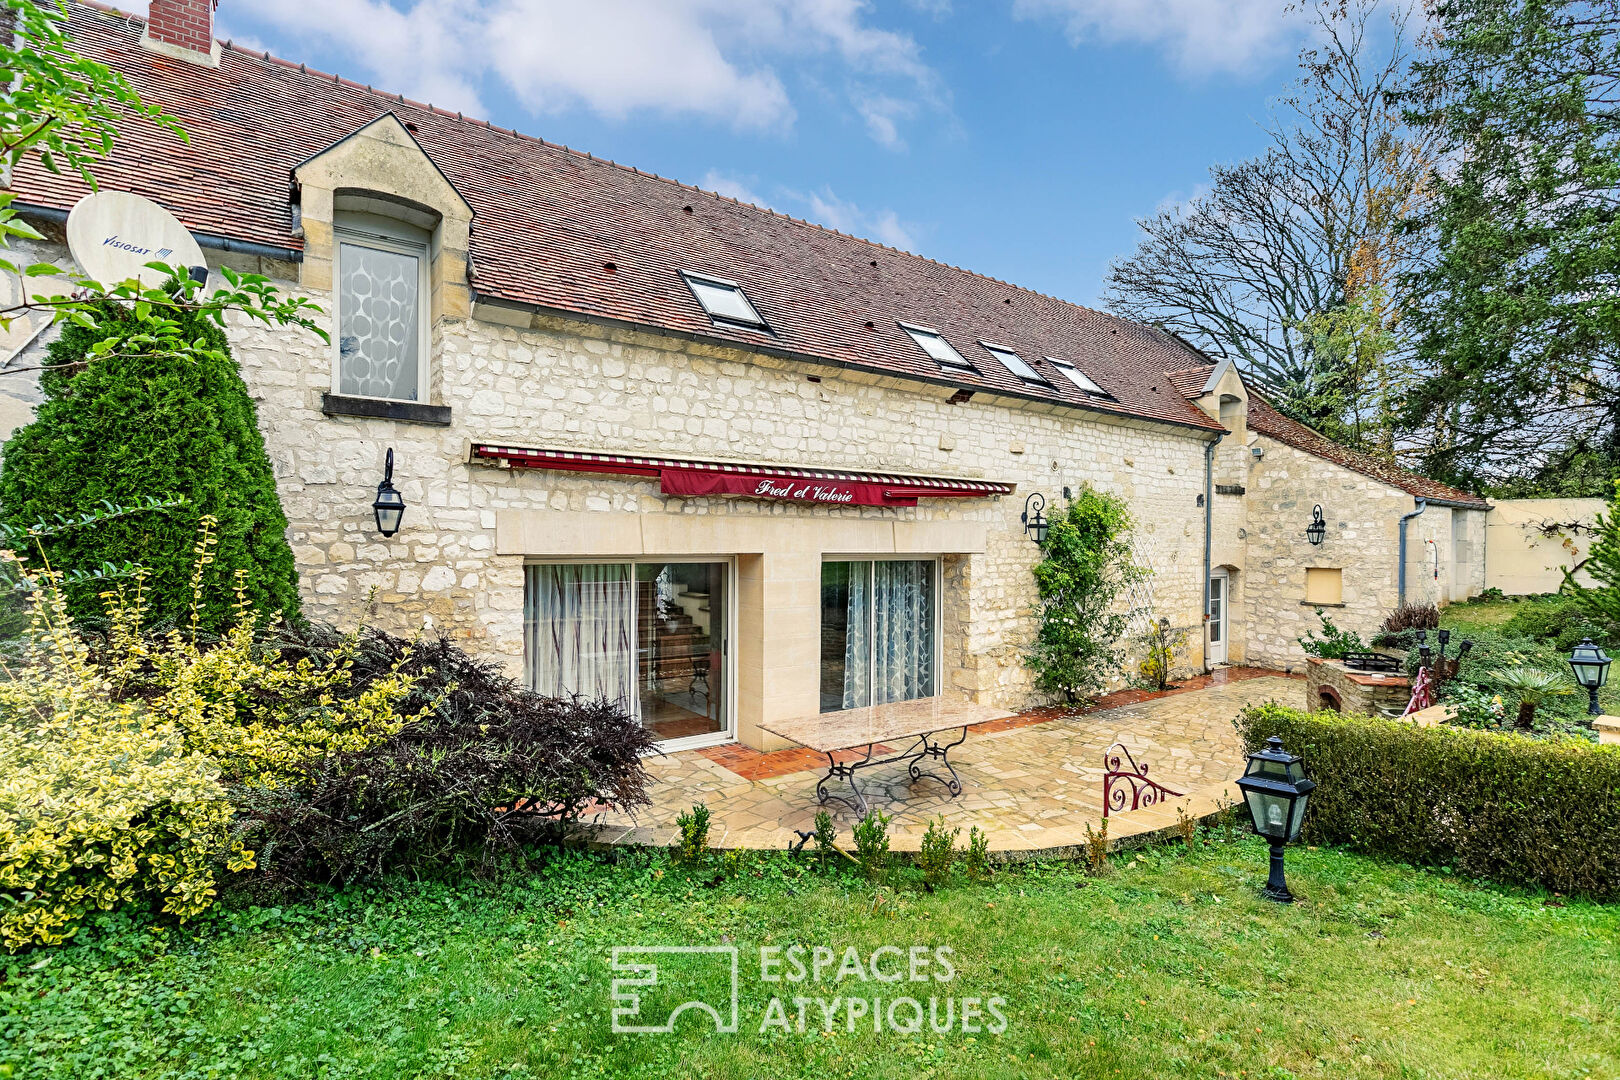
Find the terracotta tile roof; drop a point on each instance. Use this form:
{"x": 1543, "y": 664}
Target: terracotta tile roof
{"x": 1191, "y": 381}
{"x": 548, "y": 220}
{"x": 1265, "y": 419}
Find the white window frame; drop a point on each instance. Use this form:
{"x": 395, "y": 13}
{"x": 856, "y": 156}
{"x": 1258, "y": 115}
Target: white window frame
{"x": 718, "y": 319}
{"x": 936, "y": 565}
{"x": 728, "y": 650}
{"x": 1034, "y": 378}
{"x": 1068, "y": 371}
{"x": 380, "y": 234}
{"x": 913, "y": 330}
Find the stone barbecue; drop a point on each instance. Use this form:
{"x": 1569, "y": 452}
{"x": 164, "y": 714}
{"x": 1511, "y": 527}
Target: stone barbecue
{"x": 1332, "y": 684}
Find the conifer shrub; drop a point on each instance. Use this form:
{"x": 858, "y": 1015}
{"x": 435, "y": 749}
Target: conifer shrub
{"x": 135, "y": 425}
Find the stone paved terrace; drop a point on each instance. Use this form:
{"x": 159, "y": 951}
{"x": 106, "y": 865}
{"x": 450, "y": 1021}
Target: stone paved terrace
{"x": 1032, "y": 782}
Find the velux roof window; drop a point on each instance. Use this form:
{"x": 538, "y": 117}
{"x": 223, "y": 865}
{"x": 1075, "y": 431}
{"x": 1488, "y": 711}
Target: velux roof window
{"x": 724, "y": 301}
{"x": 1078, "y": 377}
{"x": 1014, "y": 363}
{"x": 934, "y": 344}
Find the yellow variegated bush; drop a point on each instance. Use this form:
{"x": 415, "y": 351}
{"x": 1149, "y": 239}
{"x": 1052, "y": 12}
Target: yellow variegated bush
{"x": 115, "y": 759}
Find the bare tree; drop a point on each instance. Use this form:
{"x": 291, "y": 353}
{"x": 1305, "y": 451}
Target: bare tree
{"x": 1290, "y": 263}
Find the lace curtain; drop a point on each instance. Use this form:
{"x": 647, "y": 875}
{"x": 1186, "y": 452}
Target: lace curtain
{"x": 903, "y": 631}
{"x": 889, "y": 642}
{"x": 579, "y": 630}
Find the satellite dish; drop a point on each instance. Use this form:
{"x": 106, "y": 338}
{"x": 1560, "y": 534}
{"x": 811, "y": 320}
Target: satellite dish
{"x": 114, "y": 234}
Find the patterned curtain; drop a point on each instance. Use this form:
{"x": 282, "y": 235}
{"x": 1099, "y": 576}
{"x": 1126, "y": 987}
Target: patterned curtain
{"x": 579, "y": 631}
{"x": 903, "y": 630}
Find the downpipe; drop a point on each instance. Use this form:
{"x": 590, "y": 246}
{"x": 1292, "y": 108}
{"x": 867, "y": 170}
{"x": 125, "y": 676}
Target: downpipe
{"x": 1209, "y": 524}
{"x": 1400, "y": 571}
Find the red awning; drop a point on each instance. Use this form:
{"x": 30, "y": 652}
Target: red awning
{"x": 685, "y": 477}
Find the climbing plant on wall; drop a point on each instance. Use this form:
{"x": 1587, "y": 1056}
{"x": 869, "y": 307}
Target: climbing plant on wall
{"x": 1086, "y": 566}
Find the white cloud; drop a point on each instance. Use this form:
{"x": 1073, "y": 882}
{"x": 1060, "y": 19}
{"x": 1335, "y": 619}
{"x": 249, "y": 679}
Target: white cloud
{"x": 1200, "y": 36}
{"x": 731, "y": 187}
{"x": 883, "y": 226}
{"x": 822, "y": 206}
{"x": 728, "y": 61}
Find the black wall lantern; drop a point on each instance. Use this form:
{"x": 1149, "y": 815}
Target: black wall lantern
{"x": 1316, "y": 531}
{"x": 1591, "y": 667}
{"x": 1275, "y": 788}
{"x": 1035, "y": 523}
{"x": 390, "y": 504}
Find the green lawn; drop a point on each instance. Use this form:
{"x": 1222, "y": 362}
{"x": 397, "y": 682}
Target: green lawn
{"x": 1167, "y": 965}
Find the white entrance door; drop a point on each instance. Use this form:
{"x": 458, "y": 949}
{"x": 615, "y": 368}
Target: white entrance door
{"x": 1216, "y": 653}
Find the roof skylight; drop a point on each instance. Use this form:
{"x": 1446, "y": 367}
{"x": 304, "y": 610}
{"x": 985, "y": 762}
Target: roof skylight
{"x": 1078, "y": 377}
{"x": 1014, "y": 363}
{"x": 934, "y": 344}
{"x": 724, "y": 300}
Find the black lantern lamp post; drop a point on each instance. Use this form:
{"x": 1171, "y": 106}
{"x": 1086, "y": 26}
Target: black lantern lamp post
{"x": 1275, "y": 789}
{"x": 390, "y": 504}
{"x": 1035, "y": 523}
{"x": 1591, "y": 667}
{"x": 1316, "y": 531}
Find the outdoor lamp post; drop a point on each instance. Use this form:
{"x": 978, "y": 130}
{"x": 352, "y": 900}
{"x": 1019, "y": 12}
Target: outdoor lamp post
{"x": 1591, "y": 667}
{"x": 1316, "y": 531}
{"x": 390, "y": 504}
{"x": 1275, "y": 789}
{"x": 1035, "y": 523}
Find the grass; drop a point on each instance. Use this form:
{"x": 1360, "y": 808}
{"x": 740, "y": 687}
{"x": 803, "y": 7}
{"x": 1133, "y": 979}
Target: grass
{"x": 1166, "y": 965}
{"x": 1478, "y": 615}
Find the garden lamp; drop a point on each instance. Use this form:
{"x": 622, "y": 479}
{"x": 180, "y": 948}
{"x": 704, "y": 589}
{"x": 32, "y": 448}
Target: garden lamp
{"x": 1316, "y": 531}
{"x": 1275, "y": 788}
{"x": 390, "y": 504}
{"x": 1591, "y": 667}
{"x": 1035, "y": 523}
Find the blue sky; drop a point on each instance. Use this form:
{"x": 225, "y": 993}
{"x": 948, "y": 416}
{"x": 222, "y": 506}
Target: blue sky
{"x": 1017, "y": 138}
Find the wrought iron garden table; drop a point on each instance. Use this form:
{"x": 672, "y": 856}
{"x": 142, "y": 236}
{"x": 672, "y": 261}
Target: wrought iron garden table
{"x": 866, "y": 732}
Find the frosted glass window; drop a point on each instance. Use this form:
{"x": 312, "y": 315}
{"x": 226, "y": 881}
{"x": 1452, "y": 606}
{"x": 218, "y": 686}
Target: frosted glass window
{"x": 1013, "y": 363}
{"x": 934, "y": 344}
{"x": 379, "y": 322}
{"x": 724, "y": 300}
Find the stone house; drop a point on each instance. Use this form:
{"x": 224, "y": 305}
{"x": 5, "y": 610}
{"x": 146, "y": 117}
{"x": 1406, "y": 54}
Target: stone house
{"x": 725, "y": 465}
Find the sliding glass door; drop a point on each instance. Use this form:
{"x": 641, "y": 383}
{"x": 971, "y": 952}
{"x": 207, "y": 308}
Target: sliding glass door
{"x": 879, "y": 632}
{"x": 651, "y": 636}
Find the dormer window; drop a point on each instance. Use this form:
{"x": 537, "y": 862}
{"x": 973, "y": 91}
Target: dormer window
{"x": 1078, "y": 377}
{"x": 934, "y": 344}
{"x": 1014, "y": 363}
{"x": 724, "y": 301}
{"x": 382, "y": 313}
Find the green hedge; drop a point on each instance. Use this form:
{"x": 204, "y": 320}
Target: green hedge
{"x": 1488, "y": 805}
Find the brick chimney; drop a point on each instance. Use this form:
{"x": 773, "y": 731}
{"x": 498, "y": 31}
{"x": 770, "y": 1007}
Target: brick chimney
{"x": 183, "y": 29}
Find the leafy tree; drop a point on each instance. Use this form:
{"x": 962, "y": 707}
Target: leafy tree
{"x": 150, "y": 423}
{"x": 1290, "y": 262}
{"x": 1086, "y": 567}
{"x": 1515, "y": 316}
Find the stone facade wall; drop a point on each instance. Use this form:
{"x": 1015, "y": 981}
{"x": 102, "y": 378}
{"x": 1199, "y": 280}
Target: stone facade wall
{"x": 1362, "y": 516}
{"x": 565, "y": 383}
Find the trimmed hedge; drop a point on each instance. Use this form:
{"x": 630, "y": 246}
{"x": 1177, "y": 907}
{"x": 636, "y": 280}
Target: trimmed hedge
{"x": 1499, "y": 806}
